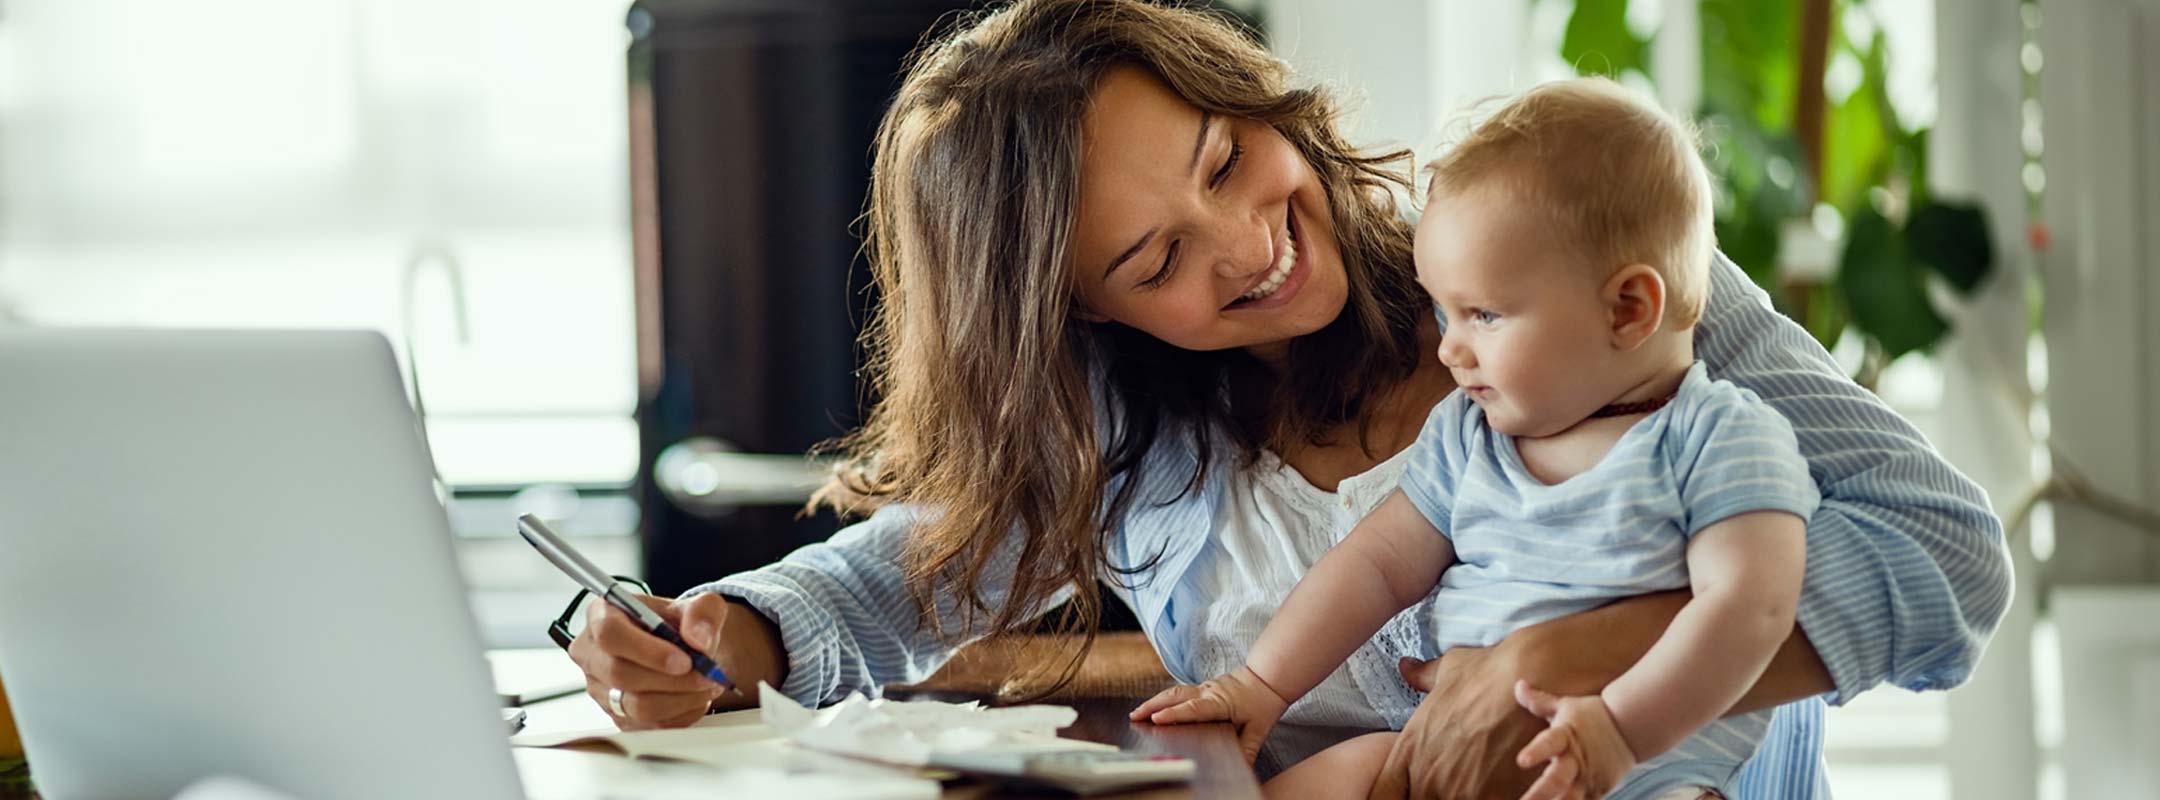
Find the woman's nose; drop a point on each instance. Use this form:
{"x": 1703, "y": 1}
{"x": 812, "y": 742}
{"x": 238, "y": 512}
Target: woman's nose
{"x": 1246, "y": 246}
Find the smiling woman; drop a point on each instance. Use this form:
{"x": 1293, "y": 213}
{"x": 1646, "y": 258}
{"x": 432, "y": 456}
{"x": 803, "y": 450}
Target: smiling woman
{"x": 1220, "y": 232}
{"x": 1218, "y": 264}
{"x": 1148, "y": 319}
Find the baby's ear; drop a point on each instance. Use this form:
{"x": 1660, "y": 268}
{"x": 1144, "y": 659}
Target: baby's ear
{"x": 1635, "y": 304}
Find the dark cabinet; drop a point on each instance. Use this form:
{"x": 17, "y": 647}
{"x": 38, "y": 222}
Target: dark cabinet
{"x": 751, "y": 123}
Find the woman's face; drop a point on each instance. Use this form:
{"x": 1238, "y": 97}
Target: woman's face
{"x": 1207, "y": 232}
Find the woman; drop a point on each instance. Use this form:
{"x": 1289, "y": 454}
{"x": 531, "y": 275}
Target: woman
{"x": 1148, "y": 318}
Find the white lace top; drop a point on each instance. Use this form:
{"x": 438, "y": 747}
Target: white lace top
{"x": 1275, "y": 527}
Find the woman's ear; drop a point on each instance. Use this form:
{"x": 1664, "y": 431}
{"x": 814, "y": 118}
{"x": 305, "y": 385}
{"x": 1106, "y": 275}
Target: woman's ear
{"x": 1635, "y": 303}
{"x": 1088, "y": 315}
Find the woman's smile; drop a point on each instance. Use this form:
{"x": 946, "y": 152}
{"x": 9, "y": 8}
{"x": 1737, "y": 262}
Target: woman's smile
{"x": 1206, "y": 231}
{"x": 1280, "y": 284}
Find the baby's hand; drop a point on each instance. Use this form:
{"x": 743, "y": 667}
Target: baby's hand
{"x": 1583, "y": 751}
{"x": 1240, "y": 697}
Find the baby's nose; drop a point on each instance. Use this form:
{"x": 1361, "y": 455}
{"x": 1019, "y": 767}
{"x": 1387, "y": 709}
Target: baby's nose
{"x": 1454, "y": 355}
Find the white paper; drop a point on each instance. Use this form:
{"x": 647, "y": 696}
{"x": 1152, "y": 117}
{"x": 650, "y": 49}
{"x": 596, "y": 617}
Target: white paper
{"x": 859, "y": 748}
{"x": 912, "y": 733}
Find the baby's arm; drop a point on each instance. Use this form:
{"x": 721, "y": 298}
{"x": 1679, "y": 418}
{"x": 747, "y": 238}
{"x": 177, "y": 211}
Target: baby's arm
{"x": 1339, "y": 604}
{"x": 1335, "y": 608}
{"x": 1745, "y": 573}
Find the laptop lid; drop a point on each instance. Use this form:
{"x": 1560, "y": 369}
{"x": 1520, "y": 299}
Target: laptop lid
{"x": 220, "y": 553}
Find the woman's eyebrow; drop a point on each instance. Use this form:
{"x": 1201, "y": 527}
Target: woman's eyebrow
{"x": 1207, "y": 118}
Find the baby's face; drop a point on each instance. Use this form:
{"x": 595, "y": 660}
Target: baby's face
{"x": 1528, "y": 336}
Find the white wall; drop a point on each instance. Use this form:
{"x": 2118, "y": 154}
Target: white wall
{"x": 275, "y": 163}
{"x": 1410, "y": 67}
{"x": 2101, "y": 277}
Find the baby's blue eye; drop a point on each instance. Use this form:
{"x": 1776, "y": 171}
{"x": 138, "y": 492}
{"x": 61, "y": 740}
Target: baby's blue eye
{"x": 1484, "y": 316}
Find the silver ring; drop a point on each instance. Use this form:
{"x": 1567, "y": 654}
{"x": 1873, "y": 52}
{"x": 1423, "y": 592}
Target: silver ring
{"x": 614, "y": 702}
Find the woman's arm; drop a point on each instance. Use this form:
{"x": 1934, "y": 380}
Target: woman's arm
{"x": 828, "y": 619}
{"x": 1907, "y": 574}
{"x": 845, "y": 617}
{"x": 1462, "y": 740}
{"x": 1581, "y": 653}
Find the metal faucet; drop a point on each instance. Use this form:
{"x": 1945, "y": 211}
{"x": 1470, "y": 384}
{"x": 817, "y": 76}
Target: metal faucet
{"x": 430, "y": 251}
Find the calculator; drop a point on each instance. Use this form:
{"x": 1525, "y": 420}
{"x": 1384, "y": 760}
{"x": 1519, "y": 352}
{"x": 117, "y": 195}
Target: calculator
{"x": 1078, "y": 771}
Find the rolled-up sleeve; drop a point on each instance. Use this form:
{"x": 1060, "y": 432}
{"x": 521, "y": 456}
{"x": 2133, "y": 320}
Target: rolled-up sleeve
{"x": 1907, "y": 573}
{"x": 846, "y": 616}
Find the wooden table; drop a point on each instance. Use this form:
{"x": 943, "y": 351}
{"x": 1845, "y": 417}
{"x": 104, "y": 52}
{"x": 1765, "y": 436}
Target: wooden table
{"x": 1120, "y": 671}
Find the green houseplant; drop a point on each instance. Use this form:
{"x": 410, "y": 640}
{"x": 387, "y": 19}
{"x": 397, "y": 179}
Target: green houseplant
{"x": 1781, "y": 149}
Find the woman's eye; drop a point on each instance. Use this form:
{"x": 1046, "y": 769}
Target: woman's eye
{"x": 1169, "y": 261}
{"x": 1237, "y": 151}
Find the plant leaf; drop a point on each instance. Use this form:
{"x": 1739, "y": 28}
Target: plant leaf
{"x": 1952, "y": 238}
{"x": 1598, "y": 41}
{"x": 1856, "y": 137}
{"x": 1748, "y": 60}
{"x": 1883, "y": 287}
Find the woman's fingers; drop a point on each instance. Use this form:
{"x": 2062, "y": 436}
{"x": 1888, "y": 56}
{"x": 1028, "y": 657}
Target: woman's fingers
{"x": 622, "y": 674}
{"x": 658, "y": 688}
{"x": 600, "y": 652}
{"x": 700, "y": 620}
{"x": 1419, "y": 674}
{"x": 1393, "y": 782}
{"x": 643, "y": 710}
{"x": 687, "y": 718}
{"x": 1558, "y": 782}
{"x": 1164, "y": 699}
{"x": 612, "y": 631}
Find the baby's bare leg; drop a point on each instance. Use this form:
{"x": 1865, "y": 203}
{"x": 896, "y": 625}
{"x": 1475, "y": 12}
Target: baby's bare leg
{"x": 1345, "y": 770}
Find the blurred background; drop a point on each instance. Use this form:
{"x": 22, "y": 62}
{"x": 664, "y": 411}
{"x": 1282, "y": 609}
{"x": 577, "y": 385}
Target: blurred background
{"x": 611, "y": 244}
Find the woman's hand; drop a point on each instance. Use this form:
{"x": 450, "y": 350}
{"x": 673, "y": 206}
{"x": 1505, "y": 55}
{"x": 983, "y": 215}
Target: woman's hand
{"x": 1240, "y": 697}
{"x": 658, "y": 688}
{"x": 1462, "y": 740}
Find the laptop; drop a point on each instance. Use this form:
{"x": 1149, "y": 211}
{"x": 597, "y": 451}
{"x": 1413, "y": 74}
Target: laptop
{"x": 221, "y": 554}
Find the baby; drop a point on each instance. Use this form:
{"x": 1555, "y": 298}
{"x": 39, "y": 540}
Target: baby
{"x": 1586, "y": 457}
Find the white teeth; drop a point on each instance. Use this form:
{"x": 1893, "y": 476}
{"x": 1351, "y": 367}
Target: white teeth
{"x": 1276, "y": 276}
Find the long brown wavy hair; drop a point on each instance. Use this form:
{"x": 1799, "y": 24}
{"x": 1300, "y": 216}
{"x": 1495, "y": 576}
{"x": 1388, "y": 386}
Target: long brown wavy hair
{"x": 983, "y": 369}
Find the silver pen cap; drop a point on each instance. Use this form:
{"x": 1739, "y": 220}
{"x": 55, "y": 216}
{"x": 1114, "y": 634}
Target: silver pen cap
{"x": 568, "y": 560}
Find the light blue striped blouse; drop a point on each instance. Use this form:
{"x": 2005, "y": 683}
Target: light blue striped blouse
{"x": 1907, "y": 574}
{"x": 1527, "y": 551}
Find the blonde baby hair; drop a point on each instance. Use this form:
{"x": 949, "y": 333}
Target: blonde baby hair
{"x": 1616, "y": 177}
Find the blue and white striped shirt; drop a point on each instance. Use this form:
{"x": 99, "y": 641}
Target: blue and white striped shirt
{"x": 1907, "y": 573}
{"x": 1527, "y": 551}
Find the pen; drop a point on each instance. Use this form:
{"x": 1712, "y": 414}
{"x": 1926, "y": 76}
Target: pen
{"x": 573, "y": 564}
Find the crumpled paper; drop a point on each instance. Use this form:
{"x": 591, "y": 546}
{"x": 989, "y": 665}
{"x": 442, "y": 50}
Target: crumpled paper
{"x": 913, "y": 732}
